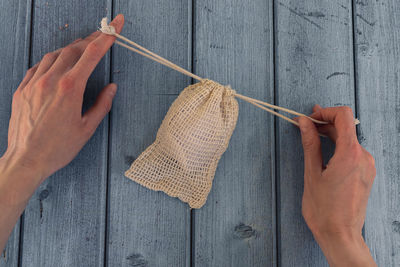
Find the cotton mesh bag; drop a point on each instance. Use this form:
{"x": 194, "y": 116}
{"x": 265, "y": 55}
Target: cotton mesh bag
{"x": 192, "y": 138}
{"x": 193, "y": 135}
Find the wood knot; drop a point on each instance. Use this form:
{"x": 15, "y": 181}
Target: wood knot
{"x": 244, "y": 231}
{"x": 44, "y": 194}
{"x": 137, "y": 260}
{"x": 396, "y": 226}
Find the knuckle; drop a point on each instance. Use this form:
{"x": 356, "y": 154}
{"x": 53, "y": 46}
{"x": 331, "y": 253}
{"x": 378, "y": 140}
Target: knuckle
{"x": 370, "y": 160}
{"x": 308, "y": 143}
{"x": 30, "y": 71}
{"x": 371, "y": 164}
{"x": 43, "y": 82}
{"x": 49, "y": 57}
{"x": 70, "y": 51}
{"x": 66, "y": 83}
{"x": 346, "y": 110}
{"x": 93, "y": 49}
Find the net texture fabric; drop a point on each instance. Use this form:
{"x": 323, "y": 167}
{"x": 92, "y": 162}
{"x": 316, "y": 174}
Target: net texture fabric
{"x": 190, "y": 141}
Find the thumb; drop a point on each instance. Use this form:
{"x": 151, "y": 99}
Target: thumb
{"x": 311, "y": 147}
{"x": 101, "y": 107}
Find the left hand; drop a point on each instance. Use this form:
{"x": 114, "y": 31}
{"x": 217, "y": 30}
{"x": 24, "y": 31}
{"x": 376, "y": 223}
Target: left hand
{"x": 47, "y": 128}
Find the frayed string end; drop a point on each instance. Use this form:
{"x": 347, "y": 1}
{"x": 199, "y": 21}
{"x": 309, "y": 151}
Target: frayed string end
{"x": 105, "y": 28}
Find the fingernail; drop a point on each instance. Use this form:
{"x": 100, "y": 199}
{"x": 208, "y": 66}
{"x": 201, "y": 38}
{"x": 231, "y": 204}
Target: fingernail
{"x": 117, "y": 19}
{"x": 112, "y": 90}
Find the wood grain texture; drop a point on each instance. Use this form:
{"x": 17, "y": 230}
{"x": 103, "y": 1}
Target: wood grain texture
{"x": 233, "y": 45}
{"x": 314, "y": 64}
{"x": 14, "y": 54}
{"x": 69, "y": 220}
{"x": 65, "y": 220}
{"x": 146, "y": 228}
{"x": 378, "y": 57}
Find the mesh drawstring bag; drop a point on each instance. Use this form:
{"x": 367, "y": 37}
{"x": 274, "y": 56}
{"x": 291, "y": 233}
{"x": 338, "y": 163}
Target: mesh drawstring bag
{"x": 192, "y": 138}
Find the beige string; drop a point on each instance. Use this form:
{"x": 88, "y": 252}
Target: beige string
{"x": 110, "y": 30}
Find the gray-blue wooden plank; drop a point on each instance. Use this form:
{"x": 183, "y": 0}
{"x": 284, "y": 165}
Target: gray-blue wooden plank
{"x": 378, "y": 57}
{"x": 146, "y": 228}
{"x": 233, "y": 45}
{"x": 314, "y": 64}
{"x": 64, "y": 222}
{"x": 15, "y": 16}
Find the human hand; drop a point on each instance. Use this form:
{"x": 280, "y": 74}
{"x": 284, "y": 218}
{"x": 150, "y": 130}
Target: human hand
{"x": 47, "y": 128}
{"x": 335, "y": 197}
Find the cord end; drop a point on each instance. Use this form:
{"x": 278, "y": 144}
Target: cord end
{"x": 105, "y": 28}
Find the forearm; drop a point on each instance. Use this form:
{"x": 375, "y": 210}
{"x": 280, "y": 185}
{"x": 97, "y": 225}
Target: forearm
{"x": 17, "y": 184}
{"x": 346, "y": 250}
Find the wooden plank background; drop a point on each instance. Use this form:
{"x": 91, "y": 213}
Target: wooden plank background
{"x": 314, "y": 65}
{"x": 378, "y": 57}
{"x": 233, "y": 45}
{"x": 146, "y": 228}
{"x": 294, "y": 53}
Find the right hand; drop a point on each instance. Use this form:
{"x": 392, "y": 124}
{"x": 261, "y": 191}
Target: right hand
{"x": 335, "y": 196}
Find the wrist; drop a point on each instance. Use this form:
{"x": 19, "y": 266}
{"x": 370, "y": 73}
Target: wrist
{"x": 18, "y": 163}
{"x": 345, "y": 249}
{"x": 18, "y": 179}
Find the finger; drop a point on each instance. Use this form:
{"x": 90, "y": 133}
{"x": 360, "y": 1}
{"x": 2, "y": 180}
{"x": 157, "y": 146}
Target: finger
{"x": 95, "y": 51}
{"x": 92, "y": 36}
{"x": 311, "y": 146}
{"x": 45, "y": 64}
{"x": 82, "y": 44}
{"x": 28, "y": 76}
{"x": 70, "y": 55}
{"x": 316, "y": 108}
{"x": 76, "y": 41}
{"x": 93, "y": 117}
{"x": 341, "y": 118}
{"x": 328, "y": 130}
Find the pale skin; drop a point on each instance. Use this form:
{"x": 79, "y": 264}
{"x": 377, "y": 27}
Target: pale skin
{"x": 47, "y": 130}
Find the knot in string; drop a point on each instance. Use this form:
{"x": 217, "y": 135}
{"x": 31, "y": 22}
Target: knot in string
{"x": 105, "y": 28}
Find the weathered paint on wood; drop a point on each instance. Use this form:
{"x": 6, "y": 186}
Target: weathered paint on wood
{"x": 233, "y": 45}
{"x": 146, "y": 228}
{"x": 65, "y": 220}
{"x": 378, "y": 57}
{"x": 14, "y": 53}
{"x": 314, "y": 65}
